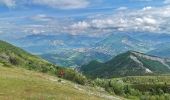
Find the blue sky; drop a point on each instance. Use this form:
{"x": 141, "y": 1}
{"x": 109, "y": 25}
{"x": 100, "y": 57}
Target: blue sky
{"x": 90, "y": 17}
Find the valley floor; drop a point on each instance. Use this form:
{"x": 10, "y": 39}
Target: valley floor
{"x": 21, "y": 84}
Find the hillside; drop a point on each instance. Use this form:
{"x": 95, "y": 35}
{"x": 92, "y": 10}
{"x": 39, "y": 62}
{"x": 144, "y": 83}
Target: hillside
{"x": 11, "y": 55}
{"x": 14, "y": 56}
{"x": 40, "y": 81}
{"x": 127, "y": 64}
{"x": 21, "y": 84}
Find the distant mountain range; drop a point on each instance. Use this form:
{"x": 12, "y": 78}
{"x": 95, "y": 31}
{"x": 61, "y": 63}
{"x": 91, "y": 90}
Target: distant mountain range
{"x": 76, "y": 50}
{"x": 118, "y": 43}
{"x": 75, "y": 58}
{"x": 101, "y": 50}
{"x": 127, "y": 64}
{"x": 42, "y": 44}
{"x": 162, "y": 50}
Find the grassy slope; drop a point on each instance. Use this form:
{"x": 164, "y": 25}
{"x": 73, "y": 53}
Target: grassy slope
{"x": 13, "y": 56}
{"x": 19, "y": 84}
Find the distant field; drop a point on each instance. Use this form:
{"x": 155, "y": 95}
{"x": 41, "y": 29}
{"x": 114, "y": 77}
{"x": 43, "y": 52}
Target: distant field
{"x": 138, "y": 87}
{"x": 19, "y": 84}
{"x": 160, "y": 79}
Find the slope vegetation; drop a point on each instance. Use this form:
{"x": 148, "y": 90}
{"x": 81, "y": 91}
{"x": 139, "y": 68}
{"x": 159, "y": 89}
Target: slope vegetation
{"x": 21, "y": 84}
{"x": 14, "y": 56}
{"x": 39, "y": 82}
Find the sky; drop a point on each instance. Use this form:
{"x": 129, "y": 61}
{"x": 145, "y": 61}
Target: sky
{"x": 19, "y": 18}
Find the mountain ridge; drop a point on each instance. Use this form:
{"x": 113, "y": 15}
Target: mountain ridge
{"x": 128, "y": 64}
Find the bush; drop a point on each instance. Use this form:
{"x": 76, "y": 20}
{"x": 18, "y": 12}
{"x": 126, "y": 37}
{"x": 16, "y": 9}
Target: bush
{"x": 117, "y": 86}
{"x": 13, "y": 61}
{"x": 75, "y": 76}
{"x": 160, "y": 91}
{"x": 100, "y": 82}
{"x": 167, "y": 96}
{"x": 134, "y": 92}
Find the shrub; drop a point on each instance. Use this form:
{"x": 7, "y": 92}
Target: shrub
{"x": 75, "y": 76}
{"x": 160, "y": 91}
{"x": 13, "y": 61}
{"x": 118, "y": 86}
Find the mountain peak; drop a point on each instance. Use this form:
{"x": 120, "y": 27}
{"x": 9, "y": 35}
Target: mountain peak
{"x": 127, "y": 64}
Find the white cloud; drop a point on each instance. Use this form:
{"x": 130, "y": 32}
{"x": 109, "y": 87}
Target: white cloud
{"x": 42, "y": 17}
{"x": 63, "y": 4}
{"x": 148, "y": 19}
{"x": 102, "y": 23}
{"x": 147, "y": 8}
{"x": 167, "y": 1}
{"x": 145, "y": 21}
{"x": 8, "y": 3}
{"x": 122, "y": 8}
{"x": 80, "y": 25}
